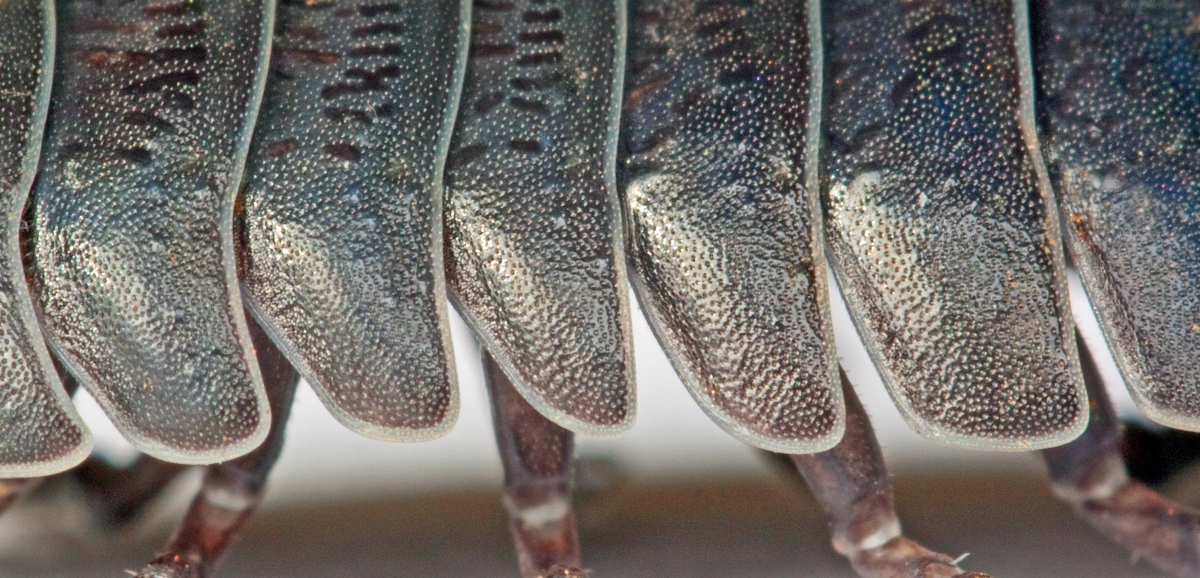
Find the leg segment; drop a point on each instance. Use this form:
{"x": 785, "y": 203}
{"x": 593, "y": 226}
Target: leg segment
{"x": 1089, "y": 473}
{"x": 538, "y": 481}
{"x": 13, "y": 488}
{"x": 851, "y": 483}
{"x": 118, "y": 494}
{"x": 1155, "y": 456}
{"x": 233, "y": 489}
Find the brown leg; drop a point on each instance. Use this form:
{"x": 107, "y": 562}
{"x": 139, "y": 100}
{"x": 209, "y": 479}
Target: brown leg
{"x": 118, "y": 494}
{"x": 1089, "y": 473}
{"x": 851, "y": 483}
{"x": 233, "y": 489}
{"x": 13, "y": 488}
{"x": 538, "y": 480}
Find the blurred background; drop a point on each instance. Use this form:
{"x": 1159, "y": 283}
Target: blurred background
{"x": 675, "y": 497}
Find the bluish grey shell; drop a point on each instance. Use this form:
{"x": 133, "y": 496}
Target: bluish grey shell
{"x": 153, "y": 106}
{"x": 725, "y": 239}
{"x": 937, "y": 212}
{"x": 343, "y": 216}
{"x": 945, "y": 246}
{"x": 40, "y": 433}
{"x": 1119, "y": 109}
{"x": 535, "y": 260}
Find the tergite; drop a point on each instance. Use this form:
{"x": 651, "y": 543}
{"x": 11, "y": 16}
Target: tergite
{"x": 208, "y": 200}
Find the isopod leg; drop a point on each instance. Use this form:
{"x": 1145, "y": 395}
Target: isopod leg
{"x": 13, "y": 488}
{"x": 231, "y": 490}
{"x": 538, "y": 480}
{"x": 118, "y": 494}
{"x": 1089, "y": 473}
{"x": 851, "y": 483}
